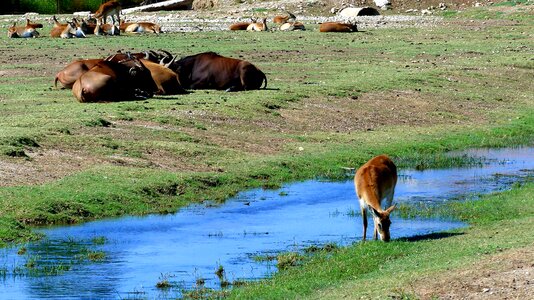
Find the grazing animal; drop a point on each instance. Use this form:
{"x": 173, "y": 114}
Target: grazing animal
{"x": 109, "y": 9}
{"x": 29, "y": 24}
{"x": 21, "y": 32}
{"x": 337, "y": 27}
{"x": 376, "y": 181}
{"x": 127, "y": 79}
{"x": 139, "y": 27}
{"x": 258, "y": 26}
{"x": 284, "y": 19}
{"x": 166, "y": 80}
{"x": 239, "y": 26}
{"x": 106, "y": 29}
{"x": 210, "y": 70}
{"x": 293, "y": 26}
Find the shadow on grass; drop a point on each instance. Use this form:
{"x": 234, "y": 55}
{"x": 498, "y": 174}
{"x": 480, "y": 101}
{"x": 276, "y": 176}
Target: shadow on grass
{"x": 430, "y": 236}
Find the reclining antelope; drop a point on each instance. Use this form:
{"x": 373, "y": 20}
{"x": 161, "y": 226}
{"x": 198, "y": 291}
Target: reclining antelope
{"x": 337, "y": 27}
{"x": 139, "y": 27}
{"x": 241, "y": 25}
{"x": 284, "y": 19}
{"x": 106, "y": 29}
{"x": 374, "y": 182}
{"x": 66, "y": 30}
{"x": 21, "y": 31}
{"x": 292, "y": 26}
{"x": 258, "y": 26}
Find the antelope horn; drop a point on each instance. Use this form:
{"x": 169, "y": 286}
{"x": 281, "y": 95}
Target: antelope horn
{"x": 169, "y": 64}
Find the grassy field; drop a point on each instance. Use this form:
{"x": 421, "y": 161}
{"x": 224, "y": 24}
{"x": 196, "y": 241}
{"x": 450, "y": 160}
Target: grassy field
{"x": 334, "y": 101}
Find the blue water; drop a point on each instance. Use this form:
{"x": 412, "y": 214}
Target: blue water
{"x": 191, "y": 244}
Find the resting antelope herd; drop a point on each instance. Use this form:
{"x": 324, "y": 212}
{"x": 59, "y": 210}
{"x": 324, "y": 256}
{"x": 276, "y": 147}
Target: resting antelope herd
{"x": 374, "y": 182}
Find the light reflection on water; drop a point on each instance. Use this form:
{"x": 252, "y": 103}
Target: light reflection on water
{"x": 140, "y": 251}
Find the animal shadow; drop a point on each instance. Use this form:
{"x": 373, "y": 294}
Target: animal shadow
{"x": 430, "y": 236}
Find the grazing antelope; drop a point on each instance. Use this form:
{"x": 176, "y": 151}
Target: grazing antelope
{"x": 293, "y": 26}
{"x": 106, "y": 29}
{"x": 109, "y": 9}
{"x": 284, "y": 19}
{"x": 337, "y": 27}
{"x": 210, "y": 70}
{"x": 139, "y": 27}
{"x": 21, "y": 32}
{"x": 376, "y": 181}
{"x": 29, "y": 24}
{"x": 257, "y": 26}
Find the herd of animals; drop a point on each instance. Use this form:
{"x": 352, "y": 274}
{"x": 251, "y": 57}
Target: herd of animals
{"x": 126, "y": 76}
{"x": 97, "y": 24}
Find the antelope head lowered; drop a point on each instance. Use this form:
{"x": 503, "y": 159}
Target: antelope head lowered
{"x": 374, "y": 182}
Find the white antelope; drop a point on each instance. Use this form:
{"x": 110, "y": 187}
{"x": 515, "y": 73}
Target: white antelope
{"x": 375, "y": 181}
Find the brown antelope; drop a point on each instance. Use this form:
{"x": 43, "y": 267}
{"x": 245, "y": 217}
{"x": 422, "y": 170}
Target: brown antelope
{"x": 376, "y": 181}
{"x": 139, "y": 27}
{"x": 239, "y": 26}
{"x": 29, "y": 24}
{"x": 106, "y": 29}
{"x": 284, "y": 19}
{"x": 257, "y": 26}
{"x": 109, "y": 9}
{"x": 337, "y": 27}
{"x": 56, "y": 22}
{"x": 21, "y": 32}
{"x": 166, "y": 80}
{"x": 292, "y": 26}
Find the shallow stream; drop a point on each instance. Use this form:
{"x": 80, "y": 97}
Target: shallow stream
{"x": 191, "y": 244}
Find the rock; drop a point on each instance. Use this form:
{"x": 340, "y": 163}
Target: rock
{"x": 383, "y": 4}
{"x": 351, "y": 12}
{"x": 333, "y": 10}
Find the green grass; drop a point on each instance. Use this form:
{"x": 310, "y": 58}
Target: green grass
{"x": 157, "y": 155}
{"x": 375, "y": 269}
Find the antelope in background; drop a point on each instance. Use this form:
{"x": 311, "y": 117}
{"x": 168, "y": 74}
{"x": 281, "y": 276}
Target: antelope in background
{"x": 284, "y": 19}
{"x": 139, "y": 27}
{"x": 292, "y": 26}
{"x": 109, "y": 9}
{"x": 106, "y": 29}
{"x": 376, "y": 181}
{"x": 337, "y": 27}
{"x": 258, "y": 26}
{"x": 29, "y": 24}
{"x": 21, "y": 32}
{"x": 241, "y": 25}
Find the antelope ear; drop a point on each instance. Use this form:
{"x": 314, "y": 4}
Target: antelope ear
{"x": 391, "y": 208}
{"x": 374, "y": 211}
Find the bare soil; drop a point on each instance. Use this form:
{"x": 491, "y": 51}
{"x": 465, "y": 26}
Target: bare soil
{"x": 508, "y": 275}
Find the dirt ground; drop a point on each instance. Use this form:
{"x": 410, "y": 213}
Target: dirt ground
{"x": 508, "y": 275}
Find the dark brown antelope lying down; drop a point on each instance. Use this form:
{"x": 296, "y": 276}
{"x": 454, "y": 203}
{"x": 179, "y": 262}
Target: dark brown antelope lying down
{"x": 210, "y": 70}
{"x": 110, "y": 81}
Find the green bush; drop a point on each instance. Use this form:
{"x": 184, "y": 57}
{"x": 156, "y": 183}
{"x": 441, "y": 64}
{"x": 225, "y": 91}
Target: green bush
{"x": 51, "y": 6}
